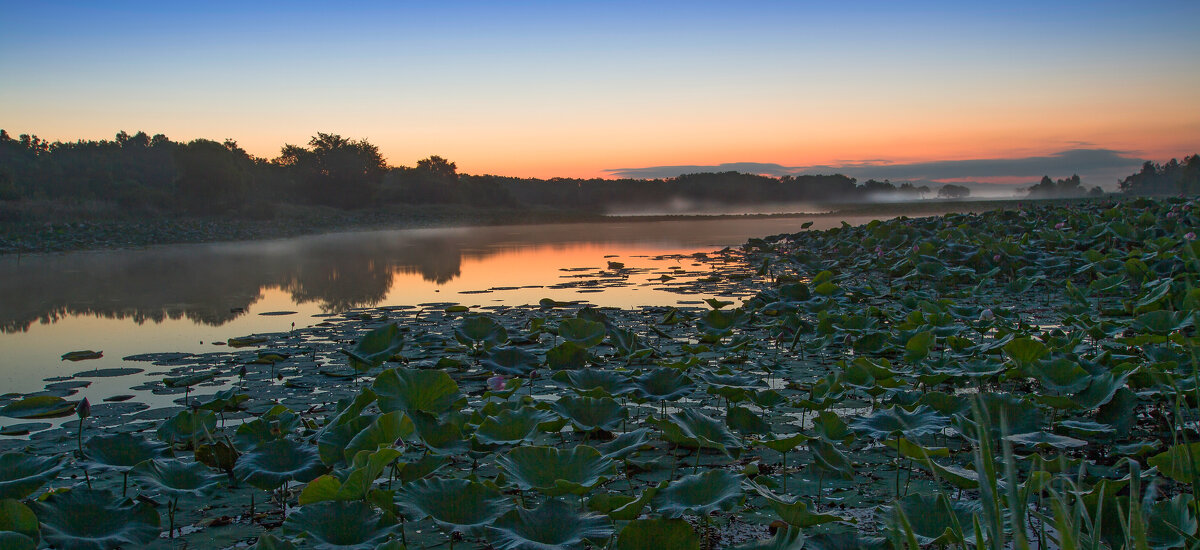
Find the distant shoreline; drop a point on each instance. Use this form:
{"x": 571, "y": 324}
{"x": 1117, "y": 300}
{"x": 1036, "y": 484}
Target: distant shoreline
{"x": 115, "y": 234}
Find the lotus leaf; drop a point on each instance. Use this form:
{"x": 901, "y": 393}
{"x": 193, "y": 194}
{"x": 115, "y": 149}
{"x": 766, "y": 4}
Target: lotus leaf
{"x": 122, "y": 451}
{"x": 384, "y": 430}
{"x": 335, "y": 437}
{"x": 87, "y": 519}
{"x": 455, "y": 504}
{"x": 269, "y": 542}
{"x": 19, "y": 524}
{"x": 595, "y": 382}
{"x": 339, "y": 525}
{"x": 790, "y": 538}
{"x": 700, "y": 494}
{"x": 1172, "y": 523}
{"x": 588, "y": 414}
{"x": 693, "y": 428}
{"x": 550, "y": 526}
{"x": 828, "y": 458}
{"x": 1179, "y": 462}
{"x": 278, "y": 462}
{"x": 375, "y": 347}
{"x": 794, "y": 511}
{"x": 1025, "y": 351}
{"x": 41, "y": 406}
{"x": 82, "y": 355}
{"x": 510, "y": 360}
{"x": 440, "y": 437}
{"x": 934, "y": 519}
{"x": 624, "y": 444}
{"x": 746, "y": 422}
{"x": 895, "y": 421}
{"x": 567, "y": 356}
{"x": 21, "y": 474}
{"x": 511, "y": 427}
{"x": 556, "y": 472}
{"x": 830, "y": 427}
{"x": 177, "y": 478}
{"x": 187, "y": 426}
{"x": 844, "y": 541}
{"x": 188, "y": 380}
{"x": 664, "y": 384}
{"x": 658, "y": 534}
{"x": 431, "y": 391}
{"x": 581, "y": 332}
{"x": 480, "y": 332}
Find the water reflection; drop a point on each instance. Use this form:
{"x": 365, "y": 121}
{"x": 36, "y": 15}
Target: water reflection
{"x": 214, "y": 284}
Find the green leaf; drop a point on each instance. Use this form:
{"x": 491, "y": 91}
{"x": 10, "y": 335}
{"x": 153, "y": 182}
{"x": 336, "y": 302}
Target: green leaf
{"x": 21, "y": 473}
{"x": 18, "y": 519}
{"x": 554, "y": 524}
{"x": 700, "y": 494}
{"x": 278, "y": 462}
{"x": 1179, "y": 462}
{"x": 556, "y": 472}
{"x": 658, "y": 534}
{"x": 581, "y": 332}
{"x": 567, "y": 356}
{"x": 454, "y": 504}
{"x": 87, "y": 519}
{"x": 341, "y": 525}
{"x": 431, "y": 391}
{"x": 918, "y": 346}
{"x": 41, "y": 406}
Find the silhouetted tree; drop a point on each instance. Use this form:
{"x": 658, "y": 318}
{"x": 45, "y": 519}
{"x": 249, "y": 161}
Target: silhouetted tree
{"x": 334, "y": 170}
{"x": 212, "y": 176}
{"x": 951, "y": 191}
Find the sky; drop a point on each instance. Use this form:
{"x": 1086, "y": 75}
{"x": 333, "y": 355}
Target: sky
{"x": 922, "y": 91}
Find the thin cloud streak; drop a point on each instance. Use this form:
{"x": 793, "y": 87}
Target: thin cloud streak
{"x": 1095, "y": 166}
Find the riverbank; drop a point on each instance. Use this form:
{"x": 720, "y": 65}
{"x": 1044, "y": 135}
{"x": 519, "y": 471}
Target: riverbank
{"x": 61, "y": 230}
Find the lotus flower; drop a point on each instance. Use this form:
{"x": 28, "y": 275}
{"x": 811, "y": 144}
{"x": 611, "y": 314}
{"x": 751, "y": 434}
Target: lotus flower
{"x": 986, "y": 315}
{"x": 1190, "y": 235}
{"x": 496, "y": 383}
{"x": 995, "y": 257}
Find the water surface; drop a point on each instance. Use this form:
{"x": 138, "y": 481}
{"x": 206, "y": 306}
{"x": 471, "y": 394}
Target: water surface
{"x": 186, "y": 297}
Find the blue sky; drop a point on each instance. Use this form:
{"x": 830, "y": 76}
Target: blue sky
{"x": 559, "y": 88}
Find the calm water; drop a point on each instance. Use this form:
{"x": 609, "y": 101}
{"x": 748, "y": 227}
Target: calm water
{"x": 183, "y": 298}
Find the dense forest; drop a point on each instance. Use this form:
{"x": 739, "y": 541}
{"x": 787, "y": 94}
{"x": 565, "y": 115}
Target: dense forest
{"x": 146, "y": 174}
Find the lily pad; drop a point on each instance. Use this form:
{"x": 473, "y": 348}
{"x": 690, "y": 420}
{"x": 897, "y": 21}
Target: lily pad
{"x": 554, "y": 524}
{"x": 431, "y": 391}
{"x": 42, "y": 406}
{"x": 339, "y": 525}
{"x": 700, "y": 494}
{"x": 21, "y": 473}
{"x": 277, "y": 462}
{"x": 82, "y": 355}
{"x": 556, "y": 472}
{"x": 89, "y": 519}
{"x": 658, "y": 534}
{"x": 454, "y": 504}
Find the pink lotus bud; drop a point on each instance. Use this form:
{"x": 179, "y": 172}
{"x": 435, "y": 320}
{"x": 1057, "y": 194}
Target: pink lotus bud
{"x": 995, "y": 257}
{"x": 987, "y": 315}
{"x": 496, "y": 383}
{"x": 1190, "y": 235}
{"x": 916, "y": 248}
{"x": 83, "y": 409}
{"x": 1060, "y": 225}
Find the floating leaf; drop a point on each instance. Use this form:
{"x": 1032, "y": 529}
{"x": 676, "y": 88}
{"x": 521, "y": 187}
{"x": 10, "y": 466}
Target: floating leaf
{"x": 177, "y": 478}
{"x": 21, "y": 473}
{"x": 554, "y": 524}
{"x": 122, "y": 451}
{"x": 18, "y": 526}
{"x": 658, "y": 534}
{"x": 510, "y": 360}
{"x": 700, "y": 494}
{"x": 339, "y": 525}
{"x": 82, "y": 355}
{"x": 589, "y": 414}
{"x": 511, "y": 427}
{"x": 87, "y": 519}
{"x": 556, "y": 472}
{"x": 41, "y": 406}
{"x": 278, "y": 462}
{"x": 455, "y": 504}
{"x": 431, "y": 391}
{"x": 581, "y": 332}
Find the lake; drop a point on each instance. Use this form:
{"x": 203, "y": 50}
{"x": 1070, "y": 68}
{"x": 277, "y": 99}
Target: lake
{"x": 185, "y": 298}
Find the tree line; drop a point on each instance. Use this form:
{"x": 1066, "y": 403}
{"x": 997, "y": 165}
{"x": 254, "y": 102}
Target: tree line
{"x": 153, "y": 174}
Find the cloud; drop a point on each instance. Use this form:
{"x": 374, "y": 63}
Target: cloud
{"x": 1095, "y": 166}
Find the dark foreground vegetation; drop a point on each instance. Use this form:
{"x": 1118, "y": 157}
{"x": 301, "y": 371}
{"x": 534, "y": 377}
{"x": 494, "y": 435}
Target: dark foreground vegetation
{"x": 171, "y": 189}
{"x": 1012, "y": 379}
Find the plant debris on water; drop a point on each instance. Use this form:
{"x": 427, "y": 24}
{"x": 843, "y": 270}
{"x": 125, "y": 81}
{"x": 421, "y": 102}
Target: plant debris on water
{"x": 1013, "y": 379}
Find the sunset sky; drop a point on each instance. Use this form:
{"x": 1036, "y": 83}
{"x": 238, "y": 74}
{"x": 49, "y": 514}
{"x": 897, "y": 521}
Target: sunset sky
{"x": 624, "y": 88}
